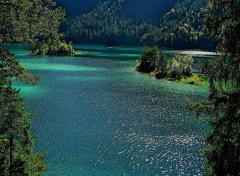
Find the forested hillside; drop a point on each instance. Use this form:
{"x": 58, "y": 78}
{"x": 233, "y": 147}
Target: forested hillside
{"x": 105, "y": 24}
{"x": 110, "y": 23}
{"x": 183, "y": 24}
{"x": 149, "y": 10}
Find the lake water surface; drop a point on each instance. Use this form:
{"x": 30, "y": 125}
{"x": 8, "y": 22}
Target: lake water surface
{"x": 96, "y": 116}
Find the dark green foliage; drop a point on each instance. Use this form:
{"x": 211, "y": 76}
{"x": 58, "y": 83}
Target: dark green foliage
{"x": 108, "y": 23}
{"x": 148, "y": 60}
{"x": 10, "y": 68}
{"x": 105, "y": 24}
{"x": 161, "y": 66}
{"x": 191, "y": 82}
{"x": 153, "y": 61}
{"x": 182, "y": 25}
{"x": 223, "y": 142}
{"x": 52, "y": 47}
{"x": 21, "y": 21}
{"x": 26, "y": 21}
{"x": 16, "y": 142}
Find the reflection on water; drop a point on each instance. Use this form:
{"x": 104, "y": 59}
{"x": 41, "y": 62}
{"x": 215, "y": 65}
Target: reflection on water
{"x": 96, "y": 116}
{"x": 193, "y": 53}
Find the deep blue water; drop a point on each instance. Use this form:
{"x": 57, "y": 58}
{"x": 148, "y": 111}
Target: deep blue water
{"x": 96, "y": 116}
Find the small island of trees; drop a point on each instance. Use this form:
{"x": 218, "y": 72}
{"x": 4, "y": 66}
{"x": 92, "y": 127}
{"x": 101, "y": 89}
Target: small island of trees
{"x": 52, "y": 47}
{"x": 156, "y": 63}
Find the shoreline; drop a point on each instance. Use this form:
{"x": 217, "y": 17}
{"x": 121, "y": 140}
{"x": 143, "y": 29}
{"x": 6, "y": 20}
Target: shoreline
{"x": 195, "y": 80}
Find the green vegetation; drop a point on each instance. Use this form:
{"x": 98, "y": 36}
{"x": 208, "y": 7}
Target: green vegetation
{"x": 182, "y": 26}
{"x": 52, "y": 47}
{"x": 148, "y": 60}
{"x": 195, "y": 79}
{"x": 105, "y": 24}
{"x": 25, "y": 22}
{"x": 180, "y": 66}
{"x": 16, "y": 142}
{"x": 156, "y": 63}
{"x": 223, "y": 105}
{"x": 108, "y": 23}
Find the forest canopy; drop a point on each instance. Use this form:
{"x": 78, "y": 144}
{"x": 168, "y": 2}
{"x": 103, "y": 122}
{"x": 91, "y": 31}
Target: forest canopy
{"x": 181, "y": 26}
{"x": 34, "y": 20}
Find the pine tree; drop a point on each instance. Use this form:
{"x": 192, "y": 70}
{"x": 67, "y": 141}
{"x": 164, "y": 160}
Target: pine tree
{"x": 223, "y": 107}
{"x": 21, "y": 21}
{"x": 16, "y": 142}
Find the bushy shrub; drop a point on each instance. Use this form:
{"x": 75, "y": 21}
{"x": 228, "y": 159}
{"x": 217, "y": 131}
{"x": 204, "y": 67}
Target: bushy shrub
{"x": 180, "y": 66}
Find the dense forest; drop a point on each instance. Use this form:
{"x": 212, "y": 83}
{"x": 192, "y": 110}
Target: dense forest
{"x": 148, "y": 10}
{"x": 183, "y": 25}
{"x": 109, "y": 23}
{"x": 105, "y": 24}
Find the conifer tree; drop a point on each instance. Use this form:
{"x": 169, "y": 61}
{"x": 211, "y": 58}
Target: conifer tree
{"x": 21, "y": 21}
{"x": 223, "y": 107}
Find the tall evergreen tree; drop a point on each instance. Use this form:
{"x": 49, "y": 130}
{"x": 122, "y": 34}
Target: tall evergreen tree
{"x": 21, "y": 21}
{"x": 223, "y": 142}
{"x": 28, "y": 20}
{"x": 16, "y": 142}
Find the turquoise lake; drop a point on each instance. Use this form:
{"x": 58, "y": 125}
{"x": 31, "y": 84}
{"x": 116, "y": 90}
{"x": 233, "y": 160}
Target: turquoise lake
{"x": 97, "y": 117}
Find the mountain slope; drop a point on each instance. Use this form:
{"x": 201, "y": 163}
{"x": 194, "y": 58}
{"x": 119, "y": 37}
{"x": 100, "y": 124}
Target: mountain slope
{"x": 183, "y": 24}
{"x": 109, "y": 23}
{"x": 149, "y": 10}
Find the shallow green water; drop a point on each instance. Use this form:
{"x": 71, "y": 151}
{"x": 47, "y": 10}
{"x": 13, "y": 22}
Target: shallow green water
{"x": 96, "y": 116}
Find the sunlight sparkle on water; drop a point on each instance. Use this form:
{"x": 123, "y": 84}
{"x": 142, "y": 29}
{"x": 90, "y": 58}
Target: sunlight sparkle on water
{"x": 96, "y": 116}
{"x": 194, "y": 53}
